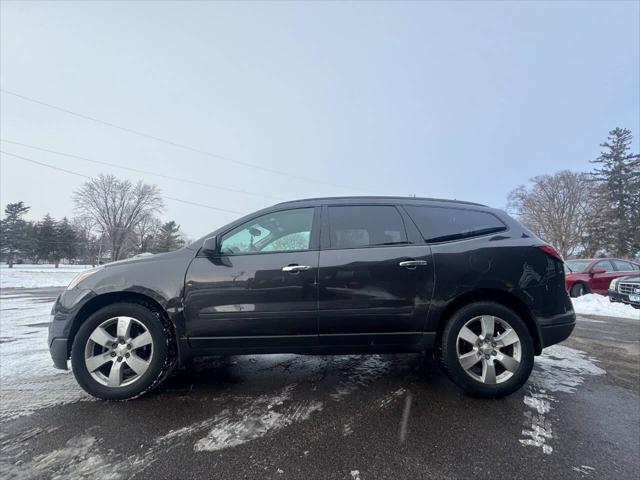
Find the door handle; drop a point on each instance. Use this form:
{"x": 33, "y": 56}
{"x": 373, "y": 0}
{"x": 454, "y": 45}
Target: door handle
{"x": 295, "y": 268}
{"x": 411, "y": 264}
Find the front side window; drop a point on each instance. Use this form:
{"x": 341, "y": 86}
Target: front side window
{"x": 285, "y": 231}
{"x": 360, "y": 226}
{"x": 605, "y": 265}
{"x": 442, "y": 224}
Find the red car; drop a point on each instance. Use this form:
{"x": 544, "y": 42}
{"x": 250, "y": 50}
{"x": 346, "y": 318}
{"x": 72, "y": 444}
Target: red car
{"x": 593, "y": 275}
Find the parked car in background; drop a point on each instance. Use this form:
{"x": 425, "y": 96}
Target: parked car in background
{"x": 626, "y": 290}
{"x": 593, "y": 275}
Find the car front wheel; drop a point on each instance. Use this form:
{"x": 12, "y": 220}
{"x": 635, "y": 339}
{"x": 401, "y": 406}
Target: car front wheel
{"x": 578, "y": 290}
{"x": 120, "y": 352}
{"x": 487, "y": 350}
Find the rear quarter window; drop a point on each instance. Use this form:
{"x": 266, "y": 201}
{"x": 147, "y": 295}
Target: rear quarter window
{"x": 442, "y": 224}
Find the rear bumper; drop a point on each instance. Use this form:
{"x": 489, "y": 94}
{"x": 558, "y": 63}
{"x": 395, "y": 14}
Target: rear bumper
{"x": 558, "y": 330}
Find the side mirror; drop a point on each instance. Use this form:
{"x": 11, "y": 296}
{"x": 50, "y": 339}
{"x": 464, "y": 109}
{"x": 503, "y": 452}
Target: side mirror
{"x": 598, "y": 270}
{"x": 210, "y": 246}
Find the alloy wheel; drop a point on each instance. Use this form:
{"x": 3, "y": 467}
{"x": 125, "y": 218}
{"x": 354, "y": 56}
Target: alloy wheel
{"x": 118, "y": 351}
{"x": 489, "y": 349}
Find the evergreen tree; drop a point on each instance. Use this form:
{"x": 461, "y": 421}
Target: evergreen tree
{"x": 168, "y": 238}
{"x": 66, "y": 240}
{"x": 618, "y": 176}
{"x": 47, "y": 240}
{"x": 13, "y": 231}
{"x": 30, "y": 250}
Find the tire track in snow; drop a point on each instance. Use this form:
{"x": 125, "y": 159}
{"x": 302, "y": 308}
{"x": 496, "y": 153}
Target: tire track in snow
{"x": 558, "y": 369}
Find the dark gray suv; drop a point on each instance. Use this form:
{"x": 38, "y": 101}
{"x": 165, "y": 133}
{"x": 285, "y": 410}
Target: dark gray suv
{"x": 324, "y": 276}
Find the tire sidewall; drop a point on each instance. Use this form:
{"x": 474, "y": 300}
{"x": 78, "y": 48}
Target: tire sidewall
{"x": 578, "y": 290}
{"x": 450, "y": 355}
{"x": 158, "y": 361}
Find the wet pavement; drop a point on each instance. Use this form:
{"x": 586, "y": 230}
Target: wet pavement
{"x": 344, "y": 417}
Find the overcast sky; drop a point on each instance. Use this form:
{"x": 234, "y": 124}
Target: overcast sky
{"x": 455, "y": 100}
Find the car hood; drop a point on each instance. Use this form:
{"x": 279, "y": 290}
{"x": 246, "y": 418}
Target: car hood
{"x": 574, "y": 274}
{"x": 158, "y": 257}
{"x": 631, "y": 279}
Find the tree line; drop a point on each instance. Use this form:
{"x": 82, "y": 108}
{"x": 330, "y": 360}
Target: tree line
{"x": 580, "y": 213}
{"x": 587, "y": 214}
{"x": 115, "y": 219}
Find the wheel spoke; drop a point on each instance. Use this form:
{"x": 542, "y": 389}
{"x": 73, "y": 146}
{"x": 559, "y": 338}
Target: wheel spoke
{"x": 508, "y": 362}
{"x": 488, "y": 325}
{"x": 141, "y": 340}
{"x": 507, "y": 338}
{"x": 468, "y": 360}
{"x": 137, "y": 364}
{"x": 101, "y": 337}
{"x": 468, "y": 336}
{"x": 124, "y": 327}
{"x": 95, "y": 362}
{"x": 115, "y": 375}
{"x": 488, "y": 372}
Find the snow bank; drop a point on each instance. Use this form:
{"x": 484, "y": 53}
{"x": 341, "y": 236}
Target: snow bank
{"x": 594, "y": 304}
{"x": 35, "y": 276}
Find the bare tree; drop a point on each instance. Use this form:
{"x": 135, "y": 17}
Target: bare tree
{"x": 557, "y": 208}
{"x": 88, "y": 234}
{"x": 146, "y": 232}
{"x": 118, "y": 207}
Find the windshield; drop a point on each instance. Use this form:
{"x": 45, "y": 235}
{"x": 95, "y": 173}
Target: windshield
{"x": 577, "y": 265}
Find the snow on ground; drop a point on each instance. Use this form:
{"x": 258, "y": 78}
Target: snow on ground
{"x": 27, "y": 376}
{"x": 35, "y": 276}
{"x": 594, "y": 304}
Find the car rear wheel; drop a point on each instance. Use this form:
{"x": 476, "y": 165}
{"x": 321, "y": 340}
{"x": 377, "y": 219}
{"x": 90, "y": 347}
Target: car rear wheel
{"x": 487, "y": 350}
{"x": 578, "y": 290}
{"x": 120, "y": 352}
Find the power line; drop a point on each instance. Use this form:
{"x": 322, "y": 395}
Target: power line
{"x": 88, "y": 177}
{"x": 45, "y": 165}
{"x": 138, "y": 170}
{"x": 171, "y": 142}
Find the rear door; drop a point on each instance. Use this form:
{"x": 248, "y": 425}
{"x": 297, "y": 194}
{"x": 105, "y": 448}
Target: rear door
{"x": 375, "y": 284}
{"x": 260, "y": 289}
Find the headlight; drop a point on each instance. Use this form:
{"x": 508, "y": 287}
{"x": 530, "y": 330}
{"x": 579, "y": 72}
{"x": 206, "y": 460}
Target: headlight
{"x": 81, "y": 276}
{"x": 614, "y": 284}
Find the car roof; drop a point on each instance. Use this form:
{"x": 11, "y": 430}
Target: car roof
{"x": 376, "y": 199}
{"x": 592, "y": 260}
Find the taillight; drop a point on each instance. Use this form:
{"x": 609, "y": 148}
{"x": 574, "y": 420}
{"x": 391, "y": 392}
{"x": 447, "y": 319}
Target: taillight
{"x": 549, "y": 250}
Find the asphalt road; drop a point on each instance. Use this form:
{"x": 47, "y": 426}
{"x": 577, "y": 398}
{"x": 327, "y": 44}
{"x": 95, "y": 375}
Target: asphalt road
{"x": 347, "y": 417}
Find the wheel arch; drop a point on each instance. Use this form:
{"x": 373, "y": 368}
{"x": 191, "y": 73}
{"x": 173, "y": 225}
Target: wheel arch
{"x": 100, "y": 301}
{"x": 501, "y": 297}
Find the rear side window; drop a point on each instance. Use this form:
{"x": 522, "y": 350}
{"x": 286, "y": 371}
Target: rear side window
{"x": 441, "y": 224}
{"x": 365, "y": 226}
{"x": 623, "y": 266}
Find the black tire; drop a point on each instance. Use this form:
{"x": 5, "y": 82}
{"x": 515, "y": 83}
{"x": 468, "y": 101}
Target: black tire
{"x": 449, "y": 351}
{"x": 578, "y": 290}
{"x": 159, "y": 365}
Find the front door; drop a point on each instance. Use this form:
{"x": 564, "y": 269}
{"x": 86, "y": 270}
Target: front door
{"x": 260, "y": 289}
{"x": 375, "y": 286}
{"x": 600, "y": 281}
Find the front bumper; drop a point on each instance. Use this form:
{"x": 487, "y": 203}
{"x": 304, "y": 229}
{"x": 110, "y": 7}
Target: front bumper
{"x": 621, "y": 298}
{"x": 59, "y": 326}
{"x": 58, "y": 350}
